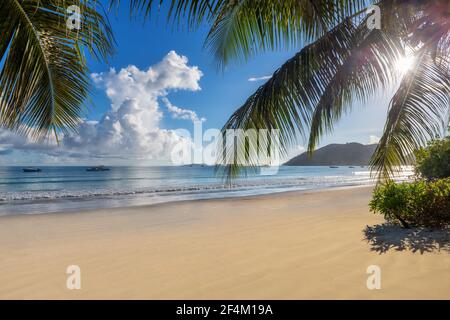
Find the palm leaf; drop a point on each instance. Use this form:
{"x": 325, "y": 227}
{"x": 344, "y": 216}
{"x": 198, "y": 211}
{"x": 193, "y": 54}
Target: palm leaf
{"x": 348, "y": 64}
{"x": 419, "y": 111}
{"x": 368, "y": 68}
{"x": 286, "y": 101}
{"x": 311, "y": 88}
{"x": 193, "y": 11}
{"x": 241, "y": 28}
{"x": 248, "y": 27}
{"x": 44, "y": 78}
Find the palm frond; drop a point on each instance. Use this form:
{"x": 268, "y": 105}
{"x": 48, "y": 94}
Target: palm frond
{"x": 242, "y": 28}
{"x": 194, "y": 12}
{"x": 368, "y": 68}
{"x": 312, "y": 89}
{"x": 419, "y": 111}
{"x": 286, "y": 101}
{"x": 43, "y": 79}
{"x": 348, "y": 64}
{"x": 247, "y": 27}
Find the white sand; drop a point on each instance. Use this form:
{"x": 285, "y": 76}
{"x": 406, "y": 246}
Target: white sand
{"x": 284, "y": 246}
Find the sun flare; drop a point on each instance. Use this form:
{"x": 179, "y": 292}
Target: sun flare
{"x": 404, "y": 64}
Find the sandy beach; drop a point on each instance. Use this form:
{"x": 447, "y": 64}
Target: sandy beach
{"x": 297, "y": 245}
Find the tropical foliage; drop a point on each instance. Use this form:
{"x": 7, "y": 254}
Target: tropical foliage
{"x": 420, "y": 203}
{"x": 426, "y": 201}
{"x": 43, "y": 75}
{"x": 433, "y": 162}
{"x": 343, "y": 62}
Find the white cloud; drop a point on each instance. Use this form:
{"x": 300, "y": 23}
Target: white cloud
{"x": 253, "y": 79}
{"x": 373, "y": 139}
{"x": 179, "y": 113}
{"x": 10, "y": 141}
{"x": 130, "y": 129}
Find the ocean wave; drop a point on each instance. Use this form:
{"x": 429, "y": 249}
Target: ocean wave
{"x": 203, "y": 184}
{"x": 193, "y": 188}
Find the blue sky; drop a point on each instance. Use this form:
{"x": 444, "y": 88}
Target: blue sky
{"x": 222, "y": 91}
{"x": 146, "y": 44}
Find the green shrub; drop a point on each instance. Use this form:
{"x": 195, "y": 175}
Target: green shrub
{"x": 418, "y": 203}
{"x": 433, "y": 162}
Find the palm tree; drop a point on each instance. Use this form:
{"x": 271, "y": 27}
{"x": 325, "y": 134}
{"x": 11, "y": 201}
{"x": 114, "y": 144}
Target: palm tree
{"x": 343, "y": 62}
{"x": 43, "y": 75}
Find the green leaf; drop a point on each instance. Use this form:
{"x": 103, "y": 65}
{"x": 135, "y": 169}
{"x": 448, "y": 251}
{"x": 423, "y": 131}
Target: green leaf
{"x": 44, "y": 78}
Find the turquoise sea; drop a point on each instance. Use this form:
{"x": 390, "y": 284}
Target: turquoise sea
{"x": 60, "y": 189}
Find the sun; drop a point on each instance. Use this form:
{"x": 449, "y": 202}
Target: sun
{"x": 404, "y": 64}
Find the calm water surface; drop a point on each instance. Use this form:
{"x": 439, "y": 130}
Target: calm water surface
{"x": 58, "y": 189}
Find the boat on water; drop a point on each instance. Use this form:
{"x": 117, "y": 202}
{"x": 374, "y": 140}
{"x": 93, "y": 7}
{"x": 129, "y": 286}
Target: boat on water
{"x": 334, "y": 167}
{"x": 31, "y": 169}
{"x": 97, "y": 168}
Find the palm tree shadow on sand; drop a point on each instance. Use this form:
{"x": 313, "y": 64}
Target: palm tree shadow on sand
{"x": 387, "y": 236}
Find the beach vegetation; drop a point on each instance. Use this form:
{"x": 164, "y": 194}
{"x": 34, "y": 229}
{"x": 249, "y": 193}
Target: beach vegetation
{"x": 433, "y": 161}
{"x": 419, "y": 203}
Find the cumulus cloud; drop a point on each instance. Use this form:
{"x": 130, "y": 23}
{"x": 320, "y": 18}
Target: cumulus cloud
{"x": 10, "y": 141}
{"x": 373, "y": 139}
{"x": 130, "y": 129}
{"x": 253, "y": 79}
{"x": 180, "y": 113}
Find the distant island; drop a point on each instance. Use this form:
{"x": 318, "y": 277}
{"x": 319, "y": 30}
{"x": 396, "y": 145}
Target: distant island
{"x": 348, "y": 154}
